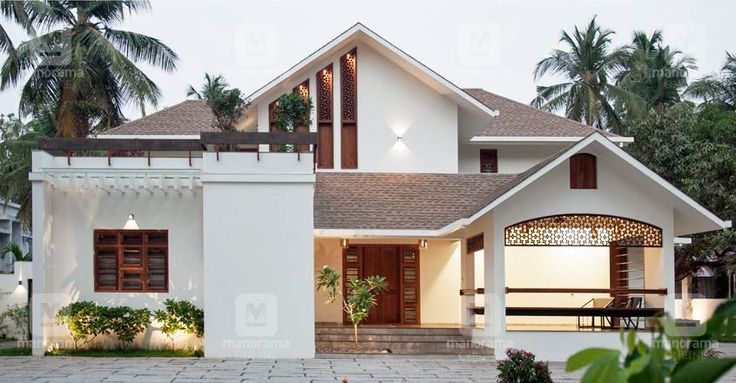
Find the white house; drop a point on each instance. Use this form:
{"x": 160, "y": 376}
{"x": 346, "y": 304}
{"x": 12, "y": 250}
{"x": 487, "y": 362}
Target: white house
{"x": 483, "y": 214}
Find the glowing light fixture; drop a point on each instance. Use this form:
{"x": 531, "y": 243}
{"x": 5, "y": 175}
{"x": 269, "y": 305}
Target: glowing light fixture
{"x": 399, "y": 138}
{"x": 130, "y": 224}
{"x": 423, "y": 244}
{"x": 344, "y": 243}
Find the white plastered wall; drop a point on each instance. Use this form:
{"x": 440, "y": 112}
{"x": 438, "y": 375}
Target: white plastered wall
{"x": 512, "y": 158}
{"x": 621, "y": 192}
{"x": 63, "y": 251}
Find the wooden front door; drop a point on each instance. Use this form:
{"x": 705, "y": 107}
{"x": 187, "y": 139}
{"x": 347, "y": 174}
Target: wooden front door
{"x": 399, "y": 264}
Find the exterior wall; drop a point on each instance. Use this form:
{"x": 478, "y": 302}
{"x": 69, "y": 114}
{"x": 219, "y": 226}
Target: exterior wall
{"x": 620, "y": 194}
{"x": 259, "y": 301}
{"x": 65, "y": 256}
{"x": 391, "y": 103}
{"x": 13, "y": 293}
{"x": 512, "y": 159}
{"x": 11, "y": 230}
{"x": 702, "y": 308}
{"x": 439, "y": 277}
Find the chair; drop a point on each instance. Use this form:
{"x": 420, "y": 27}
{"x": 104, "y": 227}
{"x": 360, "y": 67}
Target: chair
{"x": 634, "y": 303}
{"x": 597, "y": 303}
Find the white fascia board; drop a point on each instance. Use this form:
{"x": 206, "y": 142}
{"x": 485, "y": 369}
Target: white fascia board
{"x": 149, "y": 136}
{"x": 541, "y": 139}
{"x": 383, "y": 43}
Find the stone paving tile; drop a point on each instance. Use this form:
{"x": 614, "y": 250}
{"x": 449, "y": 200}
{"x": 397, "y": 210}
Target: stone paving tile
{"x": 154, "y": 370}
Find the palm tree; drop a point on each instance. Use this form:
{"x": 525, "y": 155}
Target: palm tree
{"x": 718, "y": 89}
{"x": 654, "y": 72}
{"x": 586, "y": 64}
{"x": 213, "y": 86}
{"x": 13, "y": 11}
{"x": 82, "y": 66}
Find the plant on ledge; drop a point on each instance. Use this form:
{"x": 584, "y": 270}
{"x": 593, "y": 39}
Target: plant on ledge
{"x": 361, "y": 293}
{"x": 674, "y": 355}
{"x": 292, "y": 111}
{"x": 227, "y": 104}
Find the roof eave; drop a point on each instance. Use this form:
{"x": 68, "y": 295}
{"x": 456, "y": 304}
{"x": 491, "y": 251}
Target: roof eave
{"x": 541, "y": 139}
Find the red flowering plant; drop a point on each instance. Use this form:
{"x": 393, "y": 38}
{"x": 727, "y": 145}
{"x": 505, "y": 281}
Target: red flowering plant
{"x": 521, "y": 367}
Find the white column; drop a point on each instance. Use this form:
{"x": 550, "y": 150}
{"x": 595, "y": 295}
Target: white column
{"x": 467, "y": 281}
{"x": 40, "y": 254}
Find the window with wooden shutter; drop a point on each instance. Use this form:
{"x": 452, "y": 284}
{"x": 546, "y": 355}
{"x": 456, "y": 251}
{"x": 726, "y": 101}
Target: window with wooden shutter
{"x": 488, "y": 161}
{"x": 131, "y": 260}
{"x": 325, "y": 117}
{"x": 583, "y": 171}
{"x": 349, "y": 104}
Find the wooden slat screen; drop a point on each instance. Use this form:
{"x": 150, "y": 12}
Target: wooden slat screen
{"x": 583, "y": 171}
{"x": 349, "y": 105}
{"x": 410, "y": 299}
{"x": 325, "y": 117}
{"x": 131, "y": 260}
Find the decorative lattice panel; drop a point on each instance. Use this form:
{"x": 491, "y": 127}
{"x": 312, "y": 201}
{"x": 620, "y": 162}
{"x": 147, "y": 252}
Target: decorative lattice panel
{"x": 583, "y": 230}
{"x": 475, "y": 243}
{"x": 324, "y": 94}
{"x": 348, "y": 79}
{"x": 303, "y": 89}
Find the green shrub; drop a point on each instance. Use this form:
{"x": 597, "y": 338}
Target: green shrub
{"x": 83, "y": 320}
{"x": 521, "y": 367}
{"x": 180, "y": 316}
{"x": 19, "y": 316}
{"x": 127, "y": 322}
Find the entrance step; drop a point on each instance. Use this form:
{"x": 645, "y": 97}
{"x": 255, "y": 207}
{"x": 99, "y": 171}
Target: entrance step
{"x": 382, "y": 341}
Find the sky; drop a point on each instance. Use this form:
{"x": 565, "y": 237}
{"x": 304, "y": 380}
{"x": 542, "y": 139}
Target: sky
{"x": 489, "y": 44}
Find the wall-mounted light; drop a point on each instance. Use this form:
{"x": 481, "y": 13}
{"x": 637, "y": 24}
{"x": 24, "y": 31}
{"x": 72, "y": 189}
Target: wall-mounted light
{"x": 423, "y": 244}
{"x": 344, "y": 243}
{"x": 20, "y": 282}
{"x": 399, "y": 138}
{"x": 130, "y": 224}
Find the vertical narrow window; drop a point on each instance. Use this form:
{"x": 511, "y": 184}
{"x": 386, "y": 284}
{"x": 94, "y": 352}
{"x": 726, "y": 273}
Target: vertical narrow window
{"x": 272, "y": 123}
{"x": 349, "y": 104}
{"x": 583, "y": 173}
{"x": 488, "y": 161}
{"x": 302, "y": 90}
{"x": 325, "y": 116}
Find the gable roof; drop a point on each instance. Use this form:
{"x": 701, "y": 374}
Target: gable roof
{"x": 360, "y": 31}
{"x": 399, "y": 201}
{"x": 187, "y": 118}
{"x": 517, "y": 121}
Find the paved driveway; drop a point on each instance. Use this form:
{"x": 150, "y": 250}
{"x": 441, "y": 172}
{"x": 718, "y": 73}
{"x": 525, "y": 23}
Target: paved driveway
{"x": 140, "y": 370}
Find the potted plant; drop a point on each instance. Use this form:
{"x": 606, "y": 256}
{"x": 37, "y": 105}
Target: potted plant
{"x": 291, "y": 112}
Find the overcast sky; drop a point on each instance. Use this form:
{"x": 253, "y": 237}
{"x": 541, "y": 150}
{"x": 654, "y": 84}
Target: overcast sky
{"x": 488, "y": 44}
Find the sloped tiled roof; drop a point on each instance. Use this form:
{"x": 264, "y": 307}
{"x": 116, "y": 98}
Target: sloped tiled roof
{"x": 189, "y": 117}
{"x": 399, "y": 201}
{"x": 520, "y": 120}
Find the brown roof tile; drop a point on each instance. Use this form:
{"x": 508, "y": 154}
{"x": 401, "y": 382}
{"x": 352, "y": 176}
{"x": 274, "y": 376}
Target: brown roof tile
{"x": 185, "y": 118}
{"x": 383, "y": 201}
{"x": 517, "y": 119}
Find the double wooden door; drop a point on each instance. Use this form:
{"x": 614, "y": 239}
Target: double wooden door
{"x": 399, "y": 264}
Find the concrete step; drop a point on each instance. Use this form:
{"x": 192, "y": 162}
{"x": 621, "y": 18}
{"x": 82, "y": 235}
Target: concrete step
{"x": 405, "y": 348}
{"x": 390, "y": 338}
{"x": 334, "y": 330}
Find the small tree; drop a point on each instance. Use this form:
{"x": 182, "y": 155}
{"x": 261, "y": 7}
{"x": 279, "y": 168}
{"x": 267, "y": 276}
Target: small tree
{"x": 361, "y": 297}
{"x": 127, "y": 322}
{"x": 84, "y": 321}
{"x": 180, "y": 316}
{"x": 292, "y": 110}
{"x": 19, "y": 316}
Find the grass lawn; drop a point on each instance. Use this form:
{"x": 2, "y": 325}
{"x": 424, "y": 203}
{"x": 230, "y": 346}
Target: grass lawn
{"x": 15, "y": 351}
{"x": 127, "y": 353}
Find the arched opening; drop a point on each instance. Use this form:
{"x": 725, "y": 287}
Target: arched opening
{"x": 582, "y": 272}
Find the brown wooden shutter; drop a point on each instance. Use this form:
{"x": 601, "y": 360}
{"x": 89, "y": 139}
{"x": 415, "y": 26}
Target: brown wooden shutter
{"x": 349, "y": 98}
{"x": 488, "y": 161}
{"x": 474, "y": 243}
{"x": 583, "y": 172}
{"x": 272, "y": 124}
{"x": 325, "y": 118}
{"x": 410, "y": 288}
{"x": 351, "y": 269}
{"x": 131, "y": 260}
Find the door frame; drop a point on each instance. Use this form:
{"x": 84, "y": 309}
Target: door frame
{"x": 409, "y": 282}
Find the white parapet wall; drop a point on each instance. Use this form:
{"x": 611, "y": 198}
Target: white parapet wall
{"x": 258, "y": 255}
